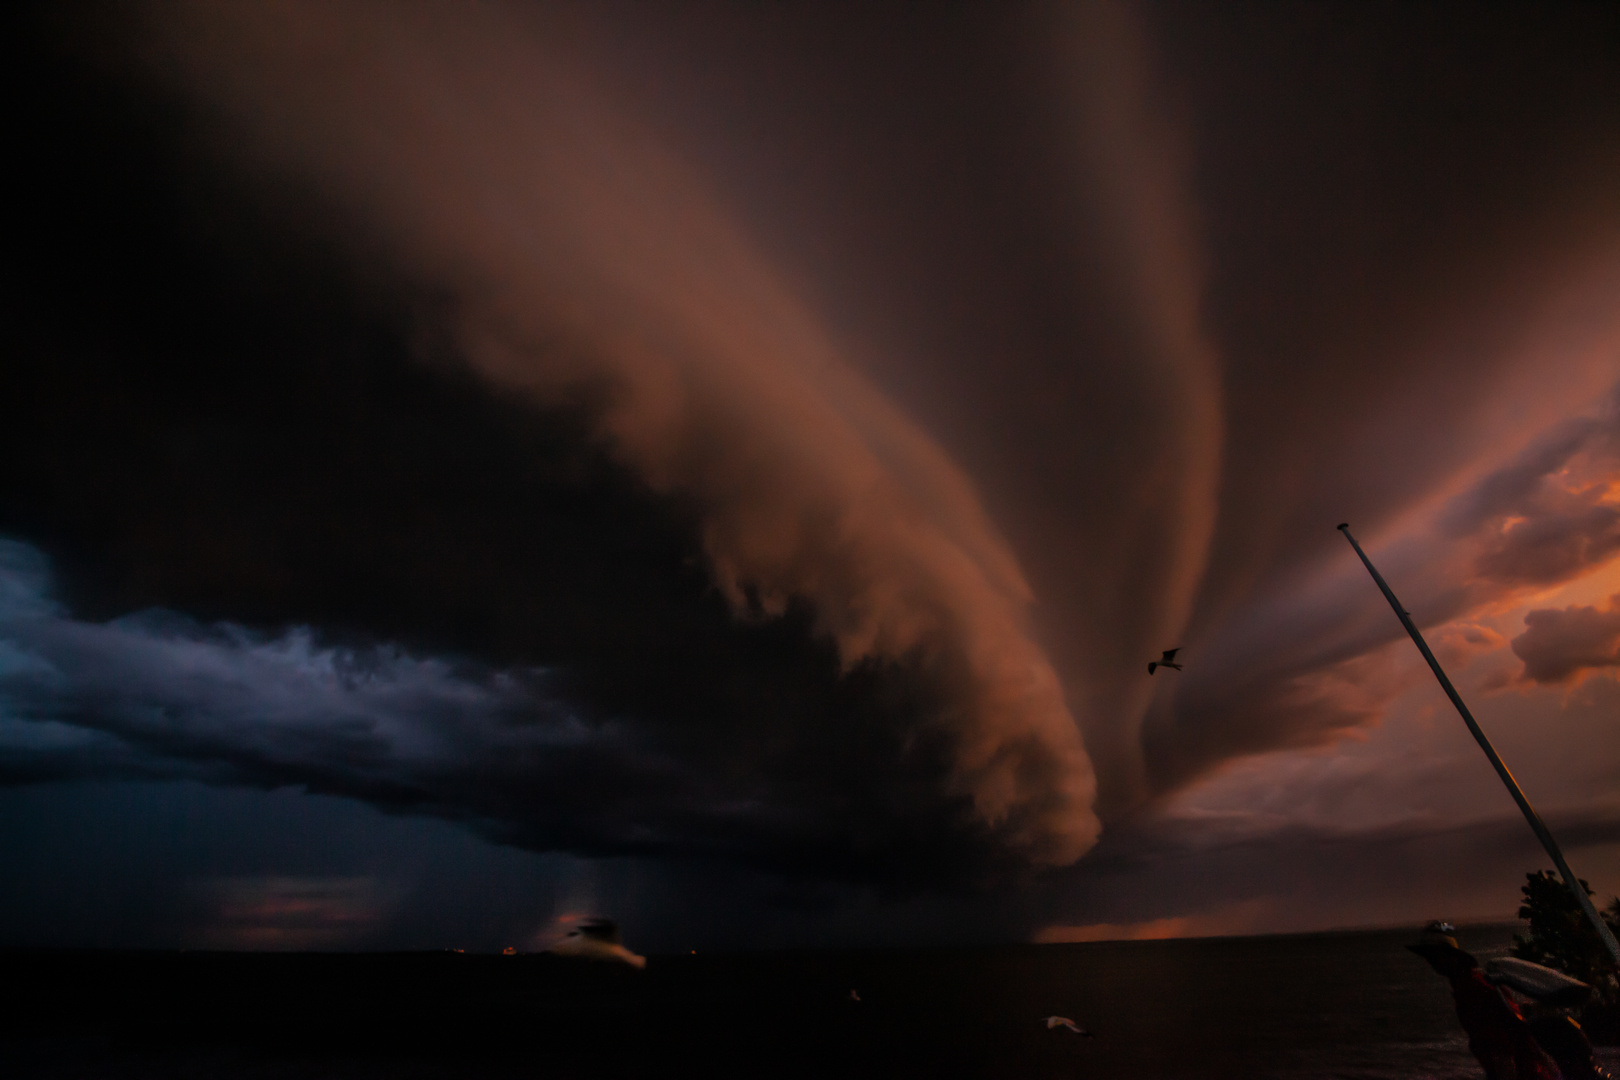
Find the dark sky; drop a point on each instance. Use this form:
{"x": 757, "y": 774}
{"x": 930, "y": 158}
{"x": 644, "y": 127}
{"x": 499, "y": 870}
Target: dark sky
{"x": 728, "y": 467}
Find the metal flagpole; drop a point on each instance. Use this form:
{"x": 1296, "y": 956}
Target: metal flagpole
{"x": 1537, "y": 826}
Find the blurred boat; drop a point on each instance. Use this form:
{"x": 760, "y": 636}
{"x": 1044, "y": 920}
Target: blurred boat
{"x": 597, "y": 939}
{"x": 1537, "y": 981}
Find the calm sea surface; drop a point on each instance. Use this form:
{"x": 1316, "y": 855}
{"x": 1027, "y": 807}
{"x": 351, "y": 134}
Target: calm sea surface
{"x": 1354, "y": 1005}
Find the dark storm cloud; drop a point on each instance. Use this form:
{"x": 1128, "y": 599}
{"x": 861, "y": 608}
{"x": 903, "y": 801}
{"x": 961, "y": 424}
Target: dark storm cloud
{"x": 177, "y": 699}
{"x": 581, "y": 252}
{"x": 155, "y": 695}
{"x": 1393, "y": 229}
{"x": 671, "y": 355}
{"x": 568, "y": 421}
{"x": 1558, "y": 644}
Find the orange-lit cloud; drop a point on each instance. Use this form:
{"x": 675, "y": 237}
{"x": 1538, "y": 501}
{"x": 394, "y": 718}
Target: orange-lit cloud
{"x": 1238, "y": 918}
{"x": 1152, "y": 930}
{"x": 287, "y": 913}
{"x": 1459, "y": 644}
{"x": 1558, "y": 645}
{"x": 1300, "y": 667}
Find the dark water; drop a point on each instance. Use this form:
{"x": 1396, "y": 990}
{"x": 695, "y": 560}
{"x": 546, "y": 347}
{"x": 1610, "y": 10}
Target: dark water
{"x": 1332, "y": 1005}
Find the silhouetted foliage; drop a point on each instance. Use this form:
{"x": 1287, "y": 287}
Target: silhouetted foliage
{"x": 1561, "y": 937}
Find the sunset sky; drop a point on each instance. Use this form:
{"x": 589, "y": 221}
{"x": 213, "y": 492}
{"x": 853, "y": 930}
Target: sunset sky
{"x": 727, "y": 467}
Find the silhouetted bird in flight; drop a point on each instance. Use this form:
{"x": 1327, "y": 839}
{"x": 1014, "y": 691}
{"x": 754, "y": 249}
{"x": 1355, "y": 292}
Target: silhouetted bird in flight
{"x": 1167, "y": 660}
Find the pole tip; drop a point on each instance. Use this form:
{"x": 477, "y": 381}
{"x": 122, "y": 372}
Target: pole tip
{"x": 1344, "y": 524}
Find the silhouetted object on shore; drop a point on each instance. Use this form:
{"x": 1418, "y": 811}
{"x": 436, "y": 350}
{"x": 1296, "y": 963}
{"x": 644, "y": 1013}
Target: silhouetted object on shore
{"x": 1064, "y": 1021}
{"x": 597, "y": 939}
{"x": 1167, "y": 660}
{"x": 1498, "y": 1035}
{"x": 1544, "y": 996}
{"x": 1537, "y": 826}
{"x": 1561, "y": 938}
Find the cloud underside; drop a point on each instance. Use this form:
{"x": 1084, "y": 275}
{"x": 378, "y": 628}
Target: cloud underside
{"x": 846, "y": 781}
{"x": 509, "y": 629}
{"x": 514, "y": 411}
{"x": 500, "y": 476}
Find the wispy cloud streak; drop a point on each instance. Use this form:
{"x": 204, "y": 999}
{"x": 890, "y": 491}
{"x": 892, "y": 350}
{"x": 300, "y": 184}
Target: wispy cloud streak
{"x": 1302, "y": 667}
{"x": 1132, "y": 159}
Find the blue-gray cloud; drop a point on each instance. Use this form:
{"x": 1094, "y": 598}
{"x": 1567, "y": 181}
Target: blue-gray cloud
{"x": 157, "y": 695}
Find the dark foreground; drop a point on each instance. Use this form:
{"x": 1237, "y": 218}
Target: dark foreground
{"x": 1338, "y": 1005}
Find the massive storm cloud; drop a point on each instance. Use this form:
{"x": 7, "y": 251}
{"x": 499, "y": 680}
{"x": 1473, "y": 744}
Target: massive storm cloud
{"x": 565, "y": 417}
{"x": 783, "y": 437}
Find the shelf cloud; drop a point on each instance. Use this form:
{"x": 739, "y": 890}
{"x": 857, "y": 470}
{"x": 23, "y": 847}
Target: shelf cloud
{"x": 563, "y": 270}
{"x": 779, "y": 440}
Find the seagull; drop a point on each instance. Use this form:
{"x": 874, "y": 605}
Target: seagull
{"x": 1167, "y": 660}
{"x": 1064, "y": 1021}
